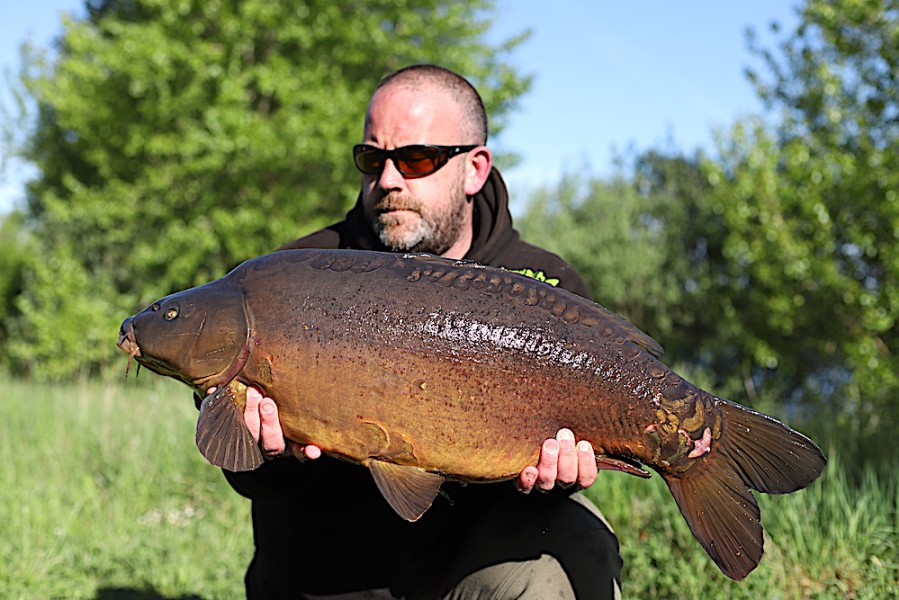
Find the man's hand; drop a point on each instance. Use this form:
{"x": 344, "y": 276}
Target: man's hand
{"x": 261, "y": 418}
{"x": 562, "y": 463}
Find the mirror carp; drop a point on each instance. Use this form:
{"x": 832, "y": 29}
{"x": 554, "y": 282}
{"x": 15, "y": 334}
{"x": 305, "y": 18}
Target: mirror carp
{"x": 423, "y": 369}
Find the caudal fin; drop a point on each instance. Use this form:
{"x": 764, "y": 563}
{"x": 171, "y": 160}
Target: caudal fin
{"x": 754, "y": 452}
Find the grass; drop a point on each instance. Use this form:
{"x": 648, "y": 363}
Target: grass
{"x": 103, "y": 495}
{"x": 831, "y": 540}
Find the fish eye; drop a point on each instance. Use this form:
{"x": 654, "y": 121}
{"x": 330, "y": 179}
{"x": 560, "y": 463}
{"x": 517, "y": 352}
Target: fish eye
{"x": 171, "y": 314}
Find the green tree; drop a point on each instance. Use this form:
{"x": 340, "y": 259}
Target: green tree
{"x": 771, "y": 271}
{"x": 13, "y": 239}
{"x": 832, "y": 195}
{"x": 177, "y": 138}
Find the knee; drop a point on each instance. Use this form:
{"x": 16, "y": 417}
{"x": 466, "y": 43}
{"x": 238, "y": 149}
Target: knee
{"x": 539, "y": 578}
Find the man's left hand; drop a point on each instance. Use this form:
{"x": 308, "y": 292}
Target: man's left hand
{"x": 561, "y": 463}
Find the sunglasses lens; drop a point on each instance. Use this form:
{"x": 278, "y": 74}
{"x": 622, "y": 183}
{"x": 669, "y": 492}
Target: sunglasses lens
{"x": 417, "y": 160}
{"x": 369, "y": 160}
{"x": 410, "y": 161}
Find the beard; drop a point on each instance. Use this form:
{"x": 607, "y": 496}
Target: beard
{"x": 419, "y": 228}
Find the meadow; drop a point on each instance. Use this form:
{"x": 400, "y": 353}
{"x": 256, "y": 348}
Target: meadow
{"x": 103, "y": 495}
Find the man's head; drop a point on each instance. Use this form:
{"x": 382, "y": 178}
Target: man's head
{"x": 430, "y": 106}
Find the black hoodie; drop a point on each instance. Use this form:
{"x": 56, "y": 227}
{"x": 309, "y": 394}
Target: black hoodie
{"x": 495, "y": 243}
{"x": 322, "y": 526}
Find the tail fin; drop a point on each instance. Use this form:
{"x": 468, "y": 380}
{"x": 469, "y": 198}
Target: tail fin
{"x": 753, "y": 452}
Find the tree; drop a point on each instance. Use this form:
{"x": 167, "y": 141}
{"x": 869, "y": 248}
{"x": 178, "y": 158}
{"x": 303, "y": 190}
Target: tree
{"x": 834, "y": 82}
{"x": 771, "y": 270}
{"x": 12, "y": 259}
{"x": 176, "y": 139}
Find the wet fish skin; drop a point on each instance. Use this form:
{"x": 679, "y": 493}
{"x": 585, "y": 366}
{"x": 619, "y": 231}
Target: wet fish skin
{"x": 422, "y": 369}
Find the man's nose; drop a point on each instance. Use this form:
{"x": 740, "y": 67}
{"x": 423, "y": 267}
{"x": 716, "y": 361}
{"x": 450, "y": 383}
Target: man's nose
{"x": 391, "y": 178}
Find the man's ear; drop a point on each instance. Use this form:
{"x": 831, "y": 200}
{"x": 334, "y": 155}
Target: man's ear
{"x": 477, "y": 169}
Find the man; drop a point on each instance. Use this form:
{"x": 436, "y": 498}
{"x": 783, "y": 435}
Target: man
{"x": 321, "y": 528}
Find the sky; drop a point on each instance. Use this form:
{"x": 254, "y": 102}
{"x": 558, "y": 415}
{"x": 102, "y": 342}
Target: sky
{"x": 609, "y": 76}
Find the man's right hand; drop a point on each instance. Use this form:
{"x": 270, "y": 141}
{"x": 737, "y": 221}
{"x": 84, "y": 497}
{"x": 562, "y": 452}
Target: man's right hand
{"x": 261, "y": 418}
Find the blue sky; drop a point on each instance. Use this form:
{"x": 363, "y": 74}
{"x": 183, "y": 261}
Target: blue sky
{"x": 609, "y": 75}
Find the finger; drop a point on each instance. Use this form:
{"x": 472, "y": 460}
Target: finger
{"x": 567, "y": 469}
{"x": 303, "y": 453}
{"x": 547, "y": 467}
{"x": 198, "y": 399}
{"x": 298, "y": 451}
{"x": 526, "y": 480}
{"x": 271, "y": 435}
{"x": 586, "y": 464}
{"x": 251, "y": 412}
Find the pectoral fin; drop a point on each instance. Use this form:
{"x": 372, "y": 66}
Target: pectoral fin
{"x": 410, "y": 491}
{"x": 222, "y": 436}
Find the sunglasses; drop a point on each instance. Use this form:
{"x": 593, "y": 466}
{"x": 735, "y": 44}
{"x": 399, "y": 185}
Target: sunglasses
{"x": 411, "y": 161}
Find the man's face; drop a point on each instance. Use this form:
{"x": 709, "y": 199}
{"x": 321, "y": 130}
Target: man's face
{"x": 427, "y": 214}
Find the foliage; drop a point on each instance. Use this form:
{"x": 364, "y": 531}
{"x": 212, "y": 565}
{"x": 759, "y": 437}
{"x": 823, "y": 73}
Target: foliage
{"x": 810, "y": 281}
{"x": 835, "y": 84}
{"x": 112, "y": 499}
{"x": 770, "y": 272}
{"x": 176, "y": 139}
{"x": 12, "y": 263}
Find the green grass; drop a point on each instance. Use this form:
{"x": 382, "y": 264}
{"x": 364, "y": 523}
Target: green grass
{"x": 102, "y": 491}
{"x": 831, "y": 540}
{"x": 103, "y": 495}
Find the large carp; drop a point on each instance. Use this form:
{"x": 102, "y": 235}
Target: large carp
{"x": 422, "y": 368}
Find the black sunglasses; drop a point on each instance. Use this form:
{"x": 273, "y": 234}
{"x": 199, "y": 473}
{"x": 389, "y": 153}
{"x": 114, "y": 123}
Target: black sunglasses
{"x": 411, "y": 161}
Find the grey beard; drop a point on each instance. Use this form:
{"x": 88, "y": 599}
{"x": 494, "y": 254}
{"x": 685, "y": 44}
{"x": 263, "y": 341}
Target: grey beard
{"x": 411, "y": 242}
{"x": 435, "y": 235}
{"x": 426, "y": 237}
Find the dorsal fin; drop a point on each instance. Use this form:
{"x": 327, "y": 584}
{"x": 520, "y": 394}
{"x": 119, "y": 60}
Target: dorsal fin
{"x": 410, "y": 491}
{"x": 633, "y": 333}
{"x": 222, "y": 436}
{"x": 529, "y": 290}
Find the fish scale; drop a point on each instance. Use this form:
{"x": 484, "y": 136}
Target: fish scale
{"x": 423, "y": 369}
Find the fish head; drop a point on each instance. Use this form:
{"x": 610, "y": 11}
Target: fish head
{"x": 199, "y": 336}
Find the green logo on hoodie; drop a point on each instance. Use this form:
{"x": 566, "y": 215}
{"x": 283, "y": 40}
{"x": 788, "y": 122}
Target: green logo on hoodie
{"x": 538, "y": 275}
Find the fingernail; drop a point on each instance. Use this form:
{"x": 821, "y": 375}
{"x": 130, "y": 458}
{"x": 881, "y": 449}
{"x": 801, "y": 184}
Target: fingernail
{"x": 268, "y": 407}
{"x": 551, "y": 447}
{"x": 584, "y": 446}
{"x": 565, "y": 435}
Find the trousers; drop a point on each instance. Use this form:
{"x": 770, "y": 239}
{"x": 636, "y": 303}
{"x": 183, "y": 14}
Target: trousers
{"x": 569, "y": 553}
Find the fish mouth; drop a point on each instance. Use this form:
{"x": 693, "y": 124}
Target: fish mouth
{"x": 128, "y": 343}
